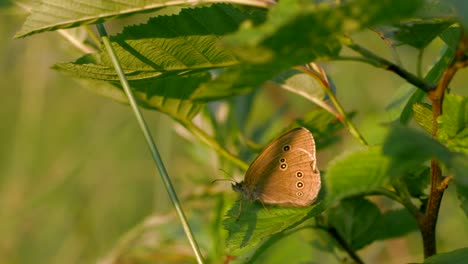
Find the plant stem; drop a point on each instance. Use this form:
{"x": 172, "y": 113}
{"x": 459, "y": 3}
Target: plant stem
{"x": 405, "y": 199}
{"x": 428, "y": 223}
{"x": 152, "y": 146}
{"x": 334, "y": 233}
{"x": 383, "y": 63}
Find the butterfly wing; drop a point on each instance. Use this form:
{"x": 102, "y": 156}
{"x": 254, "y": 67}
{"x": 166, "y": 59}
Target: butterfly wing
{"x": 285, "y": 172}
{"x": 297, "y": 185}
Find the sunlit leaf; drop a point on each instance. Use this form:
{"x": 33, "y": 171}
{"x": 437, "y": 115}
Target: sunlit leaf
{"x": 167, "y": 45}
{"x": 55, "y": 14}
{"x": 453, "y": 124}
{"x": 300, "y": 83}
{"x": 250, "y": 223}
{"x": 422, "y": 114}
{"x": 295, "y": 33}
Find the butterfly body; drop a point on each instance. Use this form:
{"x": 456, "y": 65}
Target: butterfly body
{"x": 284, "y": 173}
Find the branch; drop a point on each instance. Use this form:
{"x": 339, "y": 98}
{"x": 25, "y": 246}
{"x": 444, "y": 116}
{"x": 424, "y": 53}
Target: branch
{"x": 380, "y": 62}
{"x": 427, "y": 224}
{"x": 334, "y": 233}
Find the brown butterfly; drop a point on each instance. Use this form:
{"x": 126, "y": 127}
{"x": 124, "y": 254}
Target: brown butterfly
{"x": 285, "y": 173}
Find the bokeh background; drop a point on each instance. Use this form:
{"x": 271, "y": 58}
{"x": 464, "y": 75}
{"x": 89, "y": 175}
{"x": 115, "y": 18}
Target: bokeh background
{"x": 76, "y": 175}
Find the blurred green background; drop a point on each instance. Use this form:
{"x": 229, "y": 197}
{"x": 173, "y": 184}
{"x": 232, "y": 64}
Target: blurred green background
{"x": 76, "y": 175}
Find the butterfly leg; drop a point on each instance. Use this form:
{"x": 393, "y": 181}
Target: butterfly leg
{"x": 266, "y": 208}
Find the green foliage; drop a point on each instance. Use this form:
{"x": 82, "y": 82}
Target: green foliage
{"x": 360, "y": 222}
{"x": 52, "y": 14}
{"x": 259, "y": 47}
{"x": 450, "y": 36}
{"x": 456, "y": 256}
{"x": 396, "y": 223}
{"x": 462, "y": 190}
{"x": 234, "y": 76}
{"x": 249, "y": 224}
{"x": 422, "y": 114}
{"x": 169, "y": 95}
{"x": 409, "y": 148}
{"x": 167, "y": 45}
{"x": 358, "y": 173}
{"x": 454, "y": 123}
{"x": 323, "y": 125}
{"x": 357, "y": 221}
{"x": 417, "y": 180}
{"x": 417, "y": 33}
{"x": 300, "y": 83}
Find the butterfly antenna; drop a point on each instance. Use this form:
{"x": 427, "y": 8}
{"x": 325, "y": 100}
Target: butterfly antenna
{"x": 231, "y": 178}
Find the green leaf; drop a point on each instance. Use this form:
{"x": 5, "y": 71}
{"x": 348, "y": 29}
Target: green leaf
{"x": 409, "y": 148}
{"x": 422, "y": 114}
{"x": 460, "y": 162}
{"x": 171, "y": 95}
{"x": 399, "y": 100}
{"x": 358, "y": 221}
{"x": 417, "y": 33}
{"x": 167, "y": 45}
{"x": 451, "y": 37}
{"x": 167, "y": 95}
{"x": 55, "y": 14}
{"x": 417, "y": 180}
{"x": 458, "y": 256}
{"x": 417, "y": 96}
{"x": 396, "y": 223}
{"x": 235, "y": 80}
{"x": 300, "y": 83}
{"x": 462, "y": 191}
{"x": 357, "y": 173}
{"x": 295, "y": 33}
{"x": 453, "y": 124}
{"x": 250, "y": 223}
{"x": 291, "y": 16}
{"x": 323, "y": 125}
